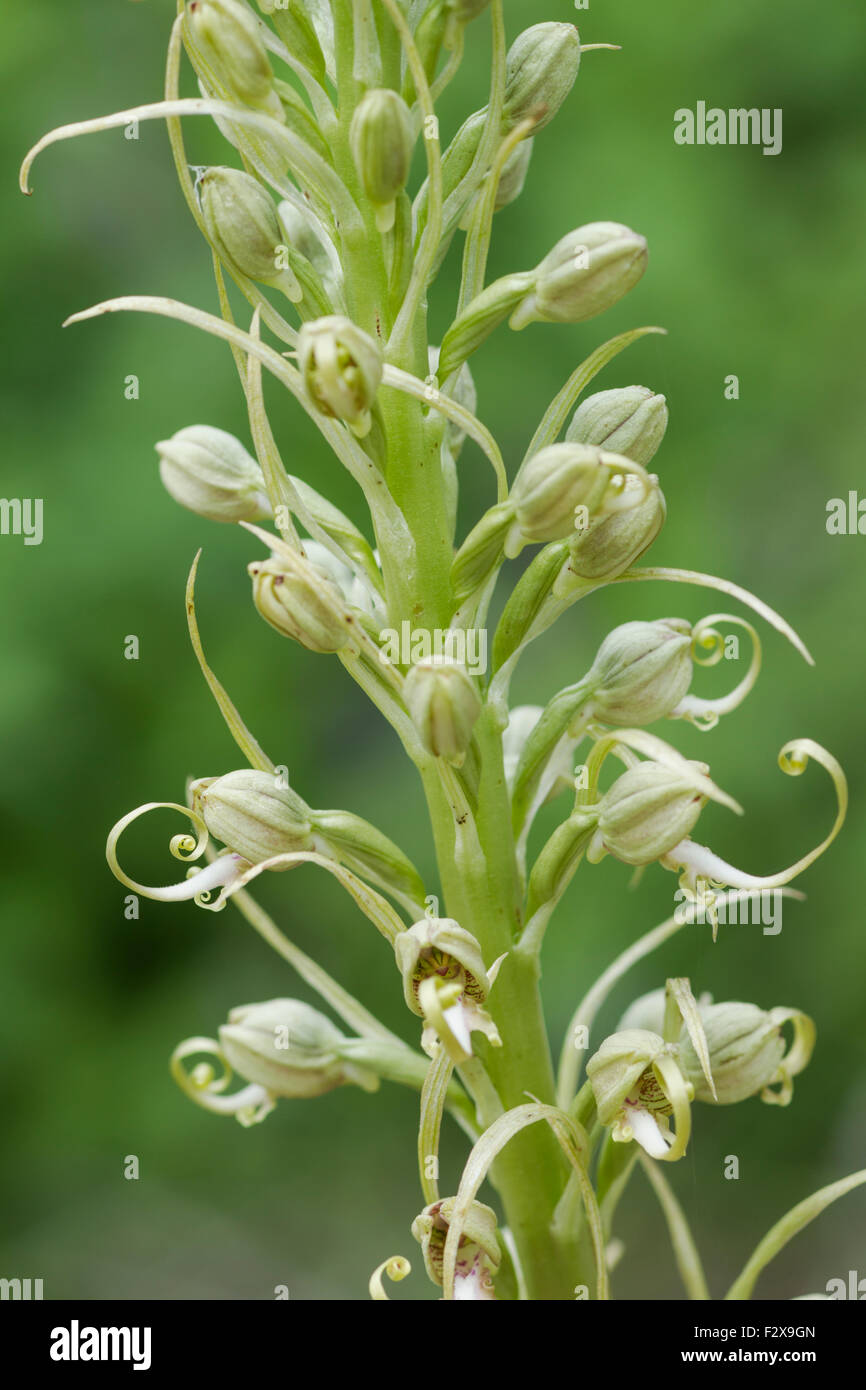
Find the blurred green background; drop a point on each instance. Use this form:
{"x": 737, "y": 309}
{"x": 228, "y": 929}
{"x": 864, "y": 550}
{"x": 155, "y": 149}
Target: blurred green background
{"x": 757, "y": 268}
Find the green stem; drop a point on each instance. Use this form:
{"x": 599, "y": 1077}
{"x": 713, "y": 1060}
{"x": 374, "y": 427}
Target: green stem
{"x": 530, "y": 1174}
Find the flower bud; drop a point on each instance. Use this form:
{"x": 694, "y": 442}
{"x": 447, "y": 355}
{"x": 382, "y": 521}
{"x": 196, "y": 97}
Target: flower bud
{"x": 647, "y": 811}
{"x": 747, "y": 1051}
{"x": 211, "y": 473}
{"x": 549, "y": 488}
{"x": 444, "y": 705}
{"x": 479, "y": 1255}
{"x": 255, "y": 817}
{"x": 381, "y": 138}
{"x": 641, "y": 672}
{"x": 290, "y": 1049}
{"x": 430, "y": 31}
{"x": 541, "y": 69}
{"x": 631, "y": 420}
{"x": 243, "y": 227}
{"x": 301, "y": 603}
{"x": 225, "y": 34}
{"x": 510, "y": 185}
{"x": 609, "y": 545}
{"x": 585, "y": 273}
{"x": 342, "y": 369}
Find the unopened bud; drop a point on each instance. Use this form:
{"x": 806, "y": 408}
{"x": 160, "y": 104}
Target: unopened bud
{"x": 226, "y": 37}
{"x": 289, "y": 1048}
{"x": 631, "y": 420}
{"x": 585, "y": 273}
{"x": 747, "y": 1051}
{"x": 382, "y": 137}
{"x": 254, "y": 816}
{"x": 444, "y": 706}
{"x": 306, "y": 235}
{"x": 342, "y": 368}
{"x": 553, "y": 484}
{"x": 300, "y": 602}
{"x": 541, "y": 69}
{"x": 211, "y": 473}
{"x": 242, "y": 224}
{"x": 641, "y": 672}
{"x": 609, "y": 545}
{"x": 647, "y": 811}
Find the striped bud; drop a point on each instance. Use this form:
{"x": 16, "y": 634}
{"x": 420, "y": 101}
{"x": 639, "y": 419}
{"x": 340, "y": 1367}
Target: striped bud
{"x": 630, "y": 420}
{"x": 585, "y": 273}
{"x": 641, "y": 672}
{"x": 256, "y": 817}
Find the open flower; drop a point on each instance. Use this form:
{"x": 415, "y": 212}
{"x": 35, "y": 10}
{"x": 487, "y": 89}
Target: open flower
{"x": 445, "y": 982}
{"x": 638, "y": 1088}
{"x": 479, "y": 1255}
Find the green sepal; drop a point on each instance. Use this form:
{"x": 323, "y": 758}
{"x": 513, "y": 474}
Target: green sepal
{"x": 526, "y": 600}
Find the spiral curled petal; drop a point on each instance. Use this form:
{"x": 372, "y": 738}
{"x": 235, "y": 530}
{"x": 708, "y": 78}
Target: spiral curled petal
{"x": 396, "y": 1268}
{"x": 199, "y": 883}
{"x": 699, "y": 862}
{"x": 206, "y": 1087}
{"x": 708, "y": 649}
